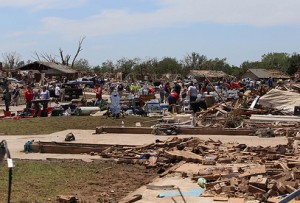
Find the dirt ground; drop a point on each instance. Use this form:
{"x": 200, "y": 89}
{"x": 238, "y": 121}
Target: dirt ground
{"x": 113, "y": 183}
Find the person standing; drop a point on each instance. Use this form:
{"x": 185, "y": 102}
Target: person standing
{"x": 44, "y": 94}
{"x": 16, "y": 96}
{"x": 57, "y": 93}
{"x": 167, "y": 90}
{"x": 270, "y": 82}
{"x": 98, "y": 94}
{"x": 173, "y": 99}
{"x": 161, "y": 93}
{"x": 192, "y": 92}
{"x": 7, "y": 98}
{"x": 120, "y": 89}
{"x": 177, "y": 87}
{"x": 45, "y": 97}
{"x": 28, "y": 98}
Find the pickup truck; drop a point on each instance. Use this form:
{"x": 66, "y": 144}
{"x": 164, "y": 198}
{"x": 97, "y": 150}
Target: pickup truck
{"x": 82, "y": 81}
{"x": 69, "y": 91}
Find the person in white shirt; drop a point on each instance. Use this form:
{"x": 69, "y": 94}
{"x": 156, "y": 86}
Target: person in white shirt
{"x": 44, "y": 94}
{"x": 192, "y": 92}
{"x": 57, "y": 93}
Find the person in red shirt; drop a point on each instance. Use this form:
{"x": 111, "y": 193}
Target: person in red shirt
{"x": 173, "y": 97}
{"x": 28, "y": 97}
{"x": 98, "y": 94}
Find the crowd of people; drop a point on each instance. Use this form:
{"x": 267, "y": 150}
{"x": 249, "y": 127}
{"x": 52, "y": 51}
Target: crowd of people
{"x": 12, "y": 96}
{"x": 190, "y": 92}
{"x": 171, "y": 93}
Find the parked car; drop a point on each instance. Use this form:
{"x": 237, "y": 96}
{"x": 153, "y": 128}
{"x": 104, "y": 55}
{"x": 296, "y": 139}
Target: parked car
{"x": 82, "y": 81}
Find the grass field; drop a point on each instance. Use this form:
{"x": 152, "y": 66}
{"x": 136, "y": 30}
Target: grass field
{"x": 46, "y": 125}
{"x": 43, "y": 181}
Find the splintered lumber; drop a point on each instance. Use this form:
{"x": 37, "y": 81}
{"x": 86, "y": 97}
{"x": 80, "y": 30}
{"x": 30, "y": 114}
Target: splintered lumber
{"x": 71, "y": 148}
{"x": 185, "y": 155}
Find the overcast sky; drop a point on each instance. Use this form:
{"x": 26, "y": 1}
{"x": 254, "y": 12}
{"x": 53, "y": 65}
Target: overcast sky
{"x": 238, "y": 30}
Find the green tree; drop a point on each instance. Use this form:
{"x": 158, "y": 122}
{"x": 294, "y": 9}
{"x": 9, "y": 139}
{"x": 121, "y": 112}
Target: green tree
{"x": 82, "y": 64}
{"x": 107, "y": 66}
{"x": 216, "y": 64}
{"x": 126, "y": 65}
{"x": 170, "y": 65}
{"x": 294, "y": 64}
{"x": 194, "y": 61}
{"x": 278, "y": 61}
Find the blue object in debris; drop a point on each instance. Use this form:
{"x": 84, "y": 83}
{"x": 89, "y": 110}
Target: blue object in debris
{"x": 27, "y": 146}
{"x": 194, "y": 192}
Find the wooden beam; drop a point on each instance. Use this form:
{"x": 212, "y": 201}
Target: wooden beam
{"x": 180, "y": 130}
{"x": 72, "y": 148}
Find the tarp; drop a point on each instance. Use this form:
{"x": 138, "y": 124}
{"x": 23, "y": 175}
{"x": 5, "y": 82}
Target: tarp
{"x": 281, "y": 100}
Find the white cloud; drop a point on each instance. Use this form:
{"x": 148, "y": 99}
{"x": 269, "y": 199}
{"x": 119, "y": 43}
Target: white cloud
{"x": 35, "y": 5}
{"x": 252, "y": 12}
{"x": 172, "y": 12}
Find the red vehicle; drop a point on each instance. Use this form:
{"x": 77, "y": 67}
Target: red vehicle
{"x": 232, "y": 85}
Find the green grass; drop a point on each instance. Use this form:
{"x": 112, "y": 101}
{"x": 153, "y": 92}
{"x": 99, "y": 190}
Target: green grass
{"x": 46, "y": 125}
{"x": 43, "y": 181}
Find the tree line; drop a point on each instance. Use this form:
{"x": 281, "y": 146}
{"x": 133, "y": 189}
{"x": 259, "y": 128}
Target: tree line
{"x": 287, "y": 63}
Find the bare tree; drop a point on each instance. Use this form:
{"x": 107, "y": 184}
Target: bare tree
{"x": 46, "y": 57}
{"x": 64, "y": 59}
{"x": 11, "y": 59}
{"x": 78, "y": 50}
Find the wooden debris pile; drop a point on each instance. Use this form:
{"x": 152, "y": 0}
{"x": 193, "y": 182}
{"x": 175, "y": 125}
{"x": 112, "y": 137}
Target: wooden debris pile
{"x": 231, "y": 169}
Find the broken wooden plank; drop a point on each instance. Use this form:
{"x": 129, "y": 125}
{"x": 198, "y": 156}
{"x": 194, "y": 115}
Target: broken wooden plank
{"x": 71, "y": 148}
{"x": 184, "y": 155}
{"x": 160, "y": 187}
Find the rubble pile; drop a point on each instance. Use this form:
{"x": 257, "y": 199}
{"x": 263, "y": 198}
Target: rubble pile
{"x": 230, "y": 169}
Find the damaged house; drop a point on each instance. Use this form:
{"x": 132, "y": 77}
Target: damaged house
{"x": 263, "y": 74}
{"x": 49, "y": 69}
